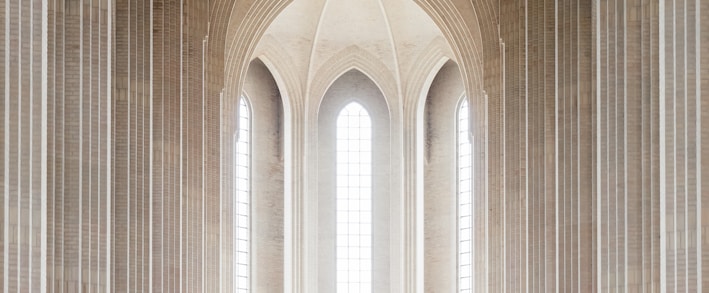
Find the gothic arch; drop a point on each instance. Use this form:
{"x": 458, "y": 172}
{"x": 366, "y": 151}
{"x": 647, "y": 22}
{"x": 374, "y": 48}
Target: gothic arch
{"x": 470, "y": 29}
{"x": 266, "y": 102}
{"x": 281, "y": 66}
{"x": 419, "y": 80}
{"x": 353, "y": 57}
{"x": 439, "y": 154}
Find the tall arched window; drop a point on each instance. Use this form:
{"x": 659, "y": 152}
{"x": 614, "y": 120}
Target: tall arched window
{"x": 242, "y": 202}
{"x": 354, "y": 200}
{"x": 465, "y": 200}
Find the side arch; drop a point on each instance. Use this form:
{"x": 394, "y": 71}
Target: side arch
{"x": 438, "y": 157}
{"x": 281, "y": 66}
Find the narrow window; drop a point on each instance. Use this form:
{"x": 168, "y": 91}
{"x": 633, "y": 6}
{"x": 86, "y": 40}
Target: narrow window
{"x": 242, "y": 201}
{"x": 465, "y": 203}
{"x": 354, "y": 200}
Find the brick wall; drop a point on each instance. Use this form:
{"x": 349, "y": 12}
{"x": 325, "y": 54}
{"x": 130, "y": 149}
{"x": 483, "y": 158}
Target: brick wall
{"x": 589, "y": 117}
{"x": 21, "y": 136}
{"x": 586, "y": 156}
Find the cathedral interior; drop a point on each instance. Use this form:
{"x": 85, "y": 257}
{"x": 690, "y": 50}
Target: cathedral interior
{"x": 354, "y": 146}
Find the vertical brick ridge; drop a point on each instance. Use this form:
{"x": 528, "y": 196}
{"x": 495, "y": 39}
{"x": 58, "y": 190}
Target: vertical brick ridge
{"x": 692, "y": 141}
{"x": 509, "y": 31}
{"x": 586, "y": 275}
{"x": 3, "y": 131}
{"x": 58, "y": 206}
{"x": 703, "y": 87}
{"x": 12, "y": 191}
{"x": 653, "y": 93}
{"x": 158, "y": 248}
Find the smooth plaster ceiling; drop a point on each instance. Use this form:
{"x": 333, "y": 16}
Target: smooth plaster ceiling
{"x": 312, "y": 34}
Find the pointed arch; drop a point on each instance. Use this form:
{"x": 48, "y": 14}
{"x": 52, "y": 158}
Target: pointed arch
{"x": 281, "y": 66}
{"x": 353, "y": 58}
{"x": 356, "y": 94}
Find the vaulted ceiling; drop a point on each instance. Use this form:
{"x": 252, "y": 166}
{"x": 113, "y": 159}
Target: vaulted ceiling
{"x": 317, "y": 40}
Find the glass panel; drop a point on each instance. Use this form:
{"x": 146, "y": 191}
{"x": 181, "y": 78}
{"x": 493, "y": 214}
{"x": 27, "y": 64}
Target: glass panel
{"x": 242, "y": 193}
{"x": 354, "y": 200}
{"x": 465, "y": 200}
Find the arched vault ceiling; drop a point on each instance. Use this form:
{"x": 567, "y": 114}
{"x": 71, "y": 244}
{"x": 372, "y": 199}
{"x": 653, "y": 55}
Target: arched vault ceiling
{"x": 313, "y": 32}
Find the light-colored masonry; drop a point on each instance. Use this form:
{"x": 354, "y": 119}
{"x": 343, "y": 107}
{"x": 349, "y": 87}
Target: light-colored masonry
{"x": 588, "y": 118}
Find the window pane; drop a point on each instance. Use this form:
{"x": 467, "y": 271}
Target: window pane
{"x": 465, "y": 203}
{"x": 241, "y": 207}
{"x": 354, "y": 203}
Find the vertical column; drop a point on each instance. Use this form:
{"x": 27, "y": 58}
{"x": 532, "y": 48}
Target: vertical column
{"x": 535, "y": 146}
{"x": 159, "y": 245}
{"x": 121, "y": 159}
{"x": 702, "y": 21}
{"x": 12, "y": 110}
{"x": 586, "y": 273}
{"x": 702, "y": 49}
{"x": 514, "y": 101}
{"x": 213, "y": 85}
{"x": 548, "y": 145}
{"x": 4, "y": 105}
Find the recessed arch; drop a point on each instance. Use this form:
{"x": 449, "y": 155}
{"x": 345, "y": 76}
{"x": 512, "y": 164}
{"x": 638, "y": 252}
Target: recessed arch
{"x": 352, "y": 58}
{"x": 263, "y": 95}
{"x": 420, "y": 80}
{"x": 280, "y": 64}
{"x": 245, "y": 28}
{"x": 439, "y": 156}
{"x": 353, "y": 87}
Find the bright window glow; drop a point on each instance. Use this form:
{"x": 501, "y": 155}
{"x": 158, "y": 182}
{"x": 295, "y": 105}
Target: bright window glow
{"x": 465, "y": 202}
{"x": 242, "y": 206}
{"x": 354, "y": 200}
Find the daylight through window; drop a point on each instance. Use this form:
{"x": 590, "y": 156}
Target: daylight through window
{"x": 242, "y": 201}
{"x": 354, "y": 200}
{"x": 465, "y": 202}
